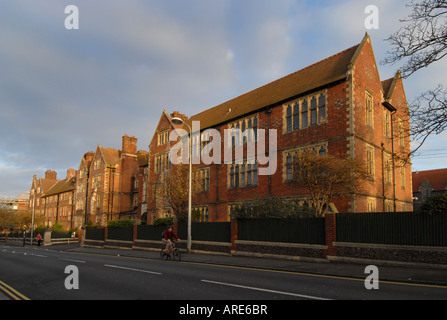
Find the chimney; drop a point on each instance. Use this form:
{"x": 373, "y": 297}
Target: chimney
{"x": 70, "y": 173}
{"x": 129, "y": 145}
{"x": 51, "y": 175}
{"x": 177, "y": 114}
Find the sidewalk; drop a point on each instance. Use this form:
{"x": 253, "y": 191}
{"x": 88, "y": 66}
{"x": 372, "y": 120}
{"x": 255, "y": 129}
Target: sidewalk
{"x": 407, "y": 274}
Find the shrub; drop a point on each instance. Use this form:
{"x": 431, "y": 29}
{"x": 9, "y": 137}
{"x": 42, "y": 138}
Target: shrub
{"x": 273, "y": 207}
{"x": 435, "y": 205}
{"x": 57, "y": 227}
{"x": 166, "y": 221}
{"x": 125, "y": 223}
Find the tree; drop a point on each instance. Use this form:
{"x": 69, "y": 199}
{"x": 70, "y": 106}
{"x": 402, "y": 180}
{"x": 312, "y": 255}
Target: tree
{"x": 326, "y": 177}
{"x": 435, "y": 205}
{"x": 16, "y": 220}
{"x": 421, "y": 41}
{"x": 175, "y": 188}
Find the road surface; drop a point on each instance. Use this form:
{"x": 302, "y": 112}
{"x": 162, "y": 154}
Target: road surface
{"x": 46, "y": 274}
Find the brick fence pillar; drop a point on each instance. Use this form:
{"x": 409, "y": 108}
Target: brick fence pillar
{"x": 135, "y": 234}
{"x": 331, "y": 234}
{"x": 233, "y": 235}
{"x": 175, "y": 226}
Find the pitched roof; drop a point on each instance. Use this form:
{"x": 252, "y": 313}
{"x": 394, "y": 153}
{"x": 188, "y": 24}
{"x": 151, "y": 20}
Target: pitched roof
{"x": 61, "y": 186}
{"x": 389, "y": 85}
{"x": 47, "y": 184}
{"x": 437, "y": 179}
{"x": 318, "y": 75}
{"x": 111, "y": 156}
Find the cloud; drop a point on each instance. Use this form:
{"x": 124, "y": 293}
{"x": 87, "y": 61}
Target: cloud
{"x": 63, "y": 92}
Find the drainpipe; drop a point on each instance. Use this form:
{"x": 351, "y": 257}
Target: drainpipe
{"x": 383, "y": 176}
{"x": 394, "y": 165}
{"x": 393, "y": 110}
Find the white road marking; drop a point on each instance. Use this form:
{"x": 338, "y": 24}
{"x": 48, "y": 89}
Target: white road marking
{"x": 132, "y": 269}
{"x": 37, "y": 255}
{"x": 72, "y": 260}
{"x": 265, "y": 290}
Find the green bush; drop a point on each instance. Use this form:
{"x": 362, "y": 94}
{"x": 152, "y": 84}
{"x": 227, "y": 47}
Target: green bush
{"x": 57, "y": 227}
{"x": 273, "y": 207}
{"x": 166, "y": 221}
{"x": 91, "y": 225}
{"x": 125, "y": 223}
{"x": 435, "y": 205}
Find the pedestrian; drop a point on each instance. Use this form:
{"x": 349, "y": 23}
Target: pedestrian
{"x": 39, "y": 239}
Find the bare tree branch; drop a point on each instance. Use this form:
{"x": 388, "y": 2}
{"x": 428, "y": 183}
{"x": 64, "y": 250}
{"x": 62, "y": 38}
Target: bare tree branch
{"x": 419, "y": 43}
{"x": 423, "y": 40}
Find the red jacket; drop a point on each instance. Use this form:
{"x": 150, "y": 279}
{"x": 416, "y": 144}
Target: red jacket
{"x": 169, "y": 235}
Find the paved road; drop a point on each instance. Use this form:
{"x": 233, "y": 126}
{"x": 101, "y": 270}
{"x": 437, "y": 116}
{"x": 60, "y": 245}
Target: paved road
{"x": 41, "y": 274}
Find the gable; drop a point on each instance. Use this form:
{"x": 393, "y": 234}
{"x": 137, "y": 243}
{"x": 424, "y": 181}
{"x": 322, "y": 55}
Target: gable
{"x": 164, "y": 123}
{"x": 365, "y": 65}
{"x": 98, "y": 160}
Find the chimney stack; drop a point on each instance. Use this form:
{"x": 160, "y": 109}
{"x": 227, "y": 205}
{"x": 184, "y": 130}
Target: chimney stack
{"x": 51, "y": 175}
{"x": 70, "y": 173}
{"x": 129, "y": 145}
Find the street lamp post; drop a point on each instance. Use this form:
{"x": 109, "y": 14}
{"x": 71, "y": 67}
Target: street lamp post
{"x": 179, "y": 121}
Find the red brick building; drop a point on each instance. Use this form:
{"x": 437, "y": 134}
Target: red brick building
{"x": 39, "y": 187}
{"x": 337, "y": 106}
{"x": 105, "y": 187}
{"x": 59, "y": 202}
{"x": 105, "y": 184}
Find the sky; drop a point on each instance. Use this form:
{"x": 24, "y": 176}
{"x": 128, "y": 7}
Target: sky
{"x": 63, "y": 92}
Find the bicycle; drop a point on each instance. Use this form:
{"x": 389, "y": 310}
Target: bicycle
{"x": 174, "y": 255}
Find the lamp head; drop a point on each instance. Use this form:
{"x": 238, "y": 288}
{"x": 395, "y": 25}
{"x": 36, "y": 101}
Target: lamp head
{"x": 177, "y": 121}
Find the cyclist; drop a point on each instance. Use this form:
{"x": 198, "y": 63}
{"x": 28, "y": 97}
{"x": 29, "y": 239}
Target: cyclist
{"x": 167, "y": 237}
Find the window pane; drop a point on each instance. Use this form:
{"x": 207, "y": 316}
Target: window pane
{"x": 313, "y": 111}
{"x": 255, "y": 174}
{"x": 322, "y": 108}
{"x": 289, "y": 123}
{"x": 296, "y": 117}
{"x": 249, "y": 174}
{"x": 236, "y": 177}
{"x": 304, "y": 114}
